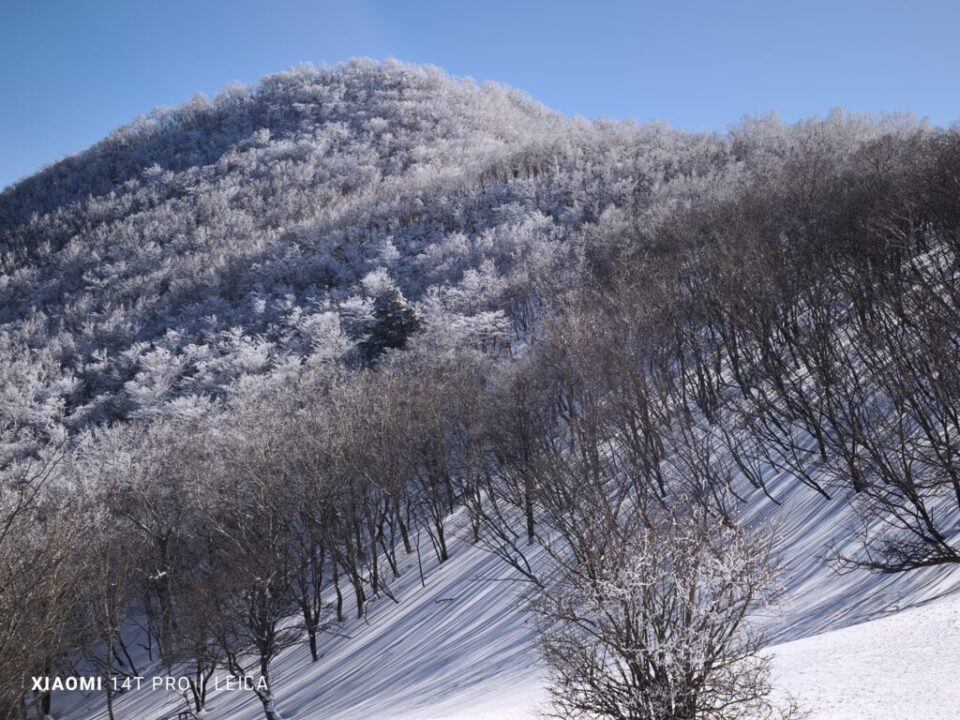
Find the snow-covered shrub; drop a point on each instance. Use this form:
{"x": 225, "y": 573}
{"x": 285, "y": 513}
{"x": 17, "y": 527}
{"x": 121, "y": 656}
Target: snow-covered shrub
{"x": 652, "y": 624}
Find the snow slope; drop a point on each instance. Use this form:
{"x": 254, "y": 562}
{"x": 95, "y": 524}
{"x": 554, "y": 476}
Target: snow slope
{"x": 462, "y": 648}
{"x": 899, "y": 667}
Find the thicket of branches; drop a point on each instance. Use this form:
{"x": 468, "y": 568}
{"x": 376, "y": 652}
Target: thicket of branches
{"x": 592, "y": 344}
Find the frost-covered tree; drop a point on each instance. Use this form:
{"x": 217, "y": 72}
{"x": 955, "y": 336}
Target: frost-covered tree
{"x": 393, "y": 322}
{"x": 654, "y": 623}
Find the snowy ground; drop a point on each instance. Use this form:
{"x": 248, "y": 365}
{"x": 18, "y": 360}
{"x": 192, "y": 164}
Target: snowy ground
{"x": 900, "y": 667}
{"x": 854, "y": 645}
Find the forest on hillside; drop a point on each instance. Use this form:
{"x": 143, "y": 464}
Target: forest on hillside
{"x": 251, "y": 345}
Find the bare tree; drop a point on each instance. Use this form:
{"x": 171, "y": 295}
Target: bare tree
{"x": 249, "y": 567}
{"x": 43, "y": 579}
{"x": 652, "y": 623}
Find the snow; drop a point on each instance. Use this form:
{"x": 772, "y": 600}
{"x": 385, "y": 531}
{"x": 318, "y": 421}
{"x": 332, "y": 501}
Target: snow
{"x": 848, "y": 645}
{"x": 899, "y": 667}
{"x": 459, "y": 648}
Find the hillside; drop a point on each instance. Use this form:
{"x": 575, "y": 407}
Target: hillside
{"x": 461, "y": 648}
{"x": 232, "y": 236}
{"x": 406, "y": 396}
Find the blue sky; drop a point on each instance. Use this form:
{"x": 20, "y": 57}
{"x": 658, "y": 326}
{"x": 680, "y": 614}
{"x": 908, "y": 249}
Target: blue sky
{"x": 73, "y": 70}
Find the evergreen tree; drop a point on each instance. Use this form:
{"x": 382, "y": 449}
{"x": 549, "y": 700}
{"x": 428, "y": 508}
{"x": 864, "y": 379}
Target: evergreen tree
{"x": 394, "y": 320}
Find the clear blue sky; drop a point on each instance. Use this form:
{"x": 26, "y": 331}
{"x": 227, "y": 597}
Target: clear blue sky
{"x": 74, "y": 69}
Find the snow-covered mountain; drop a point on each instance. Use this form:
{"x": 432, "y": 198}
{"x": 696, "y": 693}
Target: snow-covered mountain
{"x": 240, "y": 235}
{"x": 379, "y": 386}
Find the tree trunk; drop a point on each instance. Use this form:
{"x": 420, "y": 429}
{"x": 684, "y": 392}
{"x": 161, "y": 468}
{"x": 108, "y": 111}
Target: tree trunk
{"x": 46, "y": 700}
{"x": 404, "y": 533}
{"x": 312, "y": 633}
{"x": 528, "y": 507}
{"x": 109, "y": 676}
{"x": 270, "y": 711}
{"x": 336, "y": 588}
